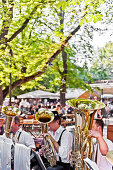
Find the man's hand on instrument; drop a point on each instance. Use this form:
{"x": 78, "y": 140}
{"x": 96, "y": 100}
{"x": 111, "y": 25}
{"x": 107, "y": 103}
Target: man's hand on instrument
{"x": 69, "y": 155}
{"x": 42, "y": 150}
{"x": 94, "y": 133}
{"x": 46, "y": 134}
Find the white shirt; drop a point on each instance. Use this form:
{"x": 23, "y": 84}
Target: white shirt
{"x": 21, "y": 157}
{"x": 102, "y": 162}
{"x": 25, "y": 138}
{"x": 5, "y": 155}
{"x": 66, "y": 143}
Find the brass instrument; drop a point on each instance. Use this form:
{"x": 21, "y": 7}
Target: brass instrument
{"x": 44, "y": 117}
{"x": 82, "y": 145}
{"x": 10, "y": 112}
{"x": 109, "y": 156}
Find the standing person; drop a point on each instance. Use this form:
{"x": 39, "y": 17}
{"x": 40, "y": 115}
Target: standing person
{"x": 22, "y": 137}
{"x": 102, "y": 146}
{"x": 19, "y": 135}
{"x": 62, "y": 141}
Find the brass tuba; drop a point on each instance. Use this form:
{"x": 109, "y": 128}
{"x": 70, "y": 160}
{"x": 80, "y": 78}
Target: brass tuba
{"x": 44, "y": 117}
{"x": 82, "y": 145}
{"x": 10, "y": 112}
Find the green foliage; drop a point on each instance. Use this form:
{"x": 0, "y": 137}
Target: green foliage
{"x": 102, "y": 66}
{"x": 30, "y": 34}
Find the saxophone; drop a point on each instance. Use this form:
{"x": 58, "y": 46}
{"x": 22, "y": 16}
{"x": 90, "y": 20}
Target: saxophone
{"x": 82, "y": 145}
{"x": 10, "y": 112}
{"x": 44, "y": 117}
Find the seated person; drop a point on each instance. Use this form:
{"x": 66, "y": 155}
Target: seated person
{"x": 102, "y": 146}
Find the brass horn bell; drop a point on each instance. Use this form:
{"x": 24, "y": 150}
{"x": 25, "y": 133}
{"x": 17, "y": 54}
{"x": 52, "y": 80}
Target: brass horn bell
{"x": 44, "y": 116}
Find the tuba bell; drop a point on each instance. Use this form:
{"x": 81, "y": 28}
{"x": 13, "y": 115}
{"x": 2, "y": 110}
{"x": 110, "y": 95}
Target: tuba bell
{"x": 44, "y": 117}
{"x": 10, "y": 112}
{"x": 82, "y": 147}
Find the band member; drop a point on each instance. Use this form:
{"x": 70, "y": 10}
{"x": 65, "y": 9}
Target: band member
{"x": 19, "y": 135}
{"x": 102, "y": 145}
{"x": 62, "y": 141}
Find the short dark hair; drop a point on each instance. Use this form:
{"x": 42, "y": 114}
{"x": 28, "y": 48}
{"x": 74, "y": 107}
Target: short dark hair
{"x": 58, "y": 120}
{"x": 16, "y": 120}
{"x": 100, "y": 122}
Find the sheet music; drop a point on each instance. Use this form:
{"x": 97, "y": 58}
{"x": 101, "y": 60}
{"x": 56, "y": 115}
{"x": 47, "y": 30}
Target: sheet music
{"x": 91, "y": 164}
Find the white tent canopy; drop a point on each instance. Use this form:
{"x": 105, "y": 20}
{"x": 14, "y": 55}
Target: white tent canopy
{"x": 38, "y": 94}
{"x": 72, "y": 93}
{"x": 103, "y": 85}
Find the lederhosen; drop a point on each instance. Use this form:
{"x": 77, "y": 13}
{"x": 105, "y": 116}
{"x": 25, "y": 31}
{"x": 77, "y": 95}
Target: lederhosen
{"x": 65, "y": 165}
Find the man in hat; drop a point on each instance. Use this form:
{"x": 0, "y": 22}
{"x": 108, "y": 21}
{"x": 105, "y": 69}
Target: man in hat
{"x": 61, "y": 139}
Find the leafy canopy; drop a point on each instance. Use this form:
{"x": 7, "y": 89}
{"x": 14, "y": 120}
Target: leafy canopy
{"x": 30, "y": 34}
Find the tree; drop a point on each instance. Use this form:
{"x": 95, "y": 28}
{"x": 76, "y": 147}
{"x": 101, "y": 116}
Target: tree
{"x": 103, "y": 63}
{"x": 25, "y": 49}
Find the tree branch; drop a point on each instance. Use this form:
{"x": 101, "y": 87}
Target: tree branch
{"x": 8, "y": 15}
{"x": 25, "y": 22}
{"x": 23, "y": 25}
{"x": 39, "y": 73}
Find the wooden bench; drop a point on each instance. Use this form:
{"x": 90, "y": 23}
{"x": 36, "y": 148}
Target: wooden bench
{"x": 67, "y": 123}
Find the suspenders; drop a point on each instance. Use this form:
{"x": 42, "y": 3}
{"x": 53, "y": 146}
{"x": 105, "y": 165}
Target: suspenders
{"x": 18, "y": 137}
{"x": 59, "y": 142}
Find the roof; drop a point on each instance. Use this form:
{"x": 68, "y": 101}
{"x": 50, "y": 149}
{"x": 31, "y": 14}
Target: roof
{"x": 71, "y": 93}
{"x": 74, "y": 93}
{"x": 39, "y": 94}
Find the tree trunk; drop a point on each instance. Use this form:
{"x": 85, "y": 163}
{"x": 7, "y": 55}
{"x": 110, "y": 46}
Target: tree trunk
{"x": 64, "y": 73}
{"x": 63, "y": 81}
{"x": 1, "y": 96}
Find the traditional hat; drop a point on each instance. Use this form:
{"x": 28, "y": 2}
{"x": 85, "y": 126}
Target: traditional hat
{"x": 56, "y": 115}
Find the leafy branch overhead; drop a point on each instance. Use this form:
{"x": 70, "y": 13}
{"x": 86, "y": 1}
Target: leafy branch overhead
{"x": 30, "y": 30}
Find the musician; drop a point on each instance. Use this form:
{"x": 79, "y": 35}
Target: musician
{"x": 62, "y": 141}
{"x": 19, "y": 135}
{"x": 102, "y": 145}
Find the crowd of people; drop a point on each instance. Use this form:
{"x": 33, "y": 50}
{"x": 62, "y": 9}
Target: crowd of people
{"x": 31, "y": 107}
